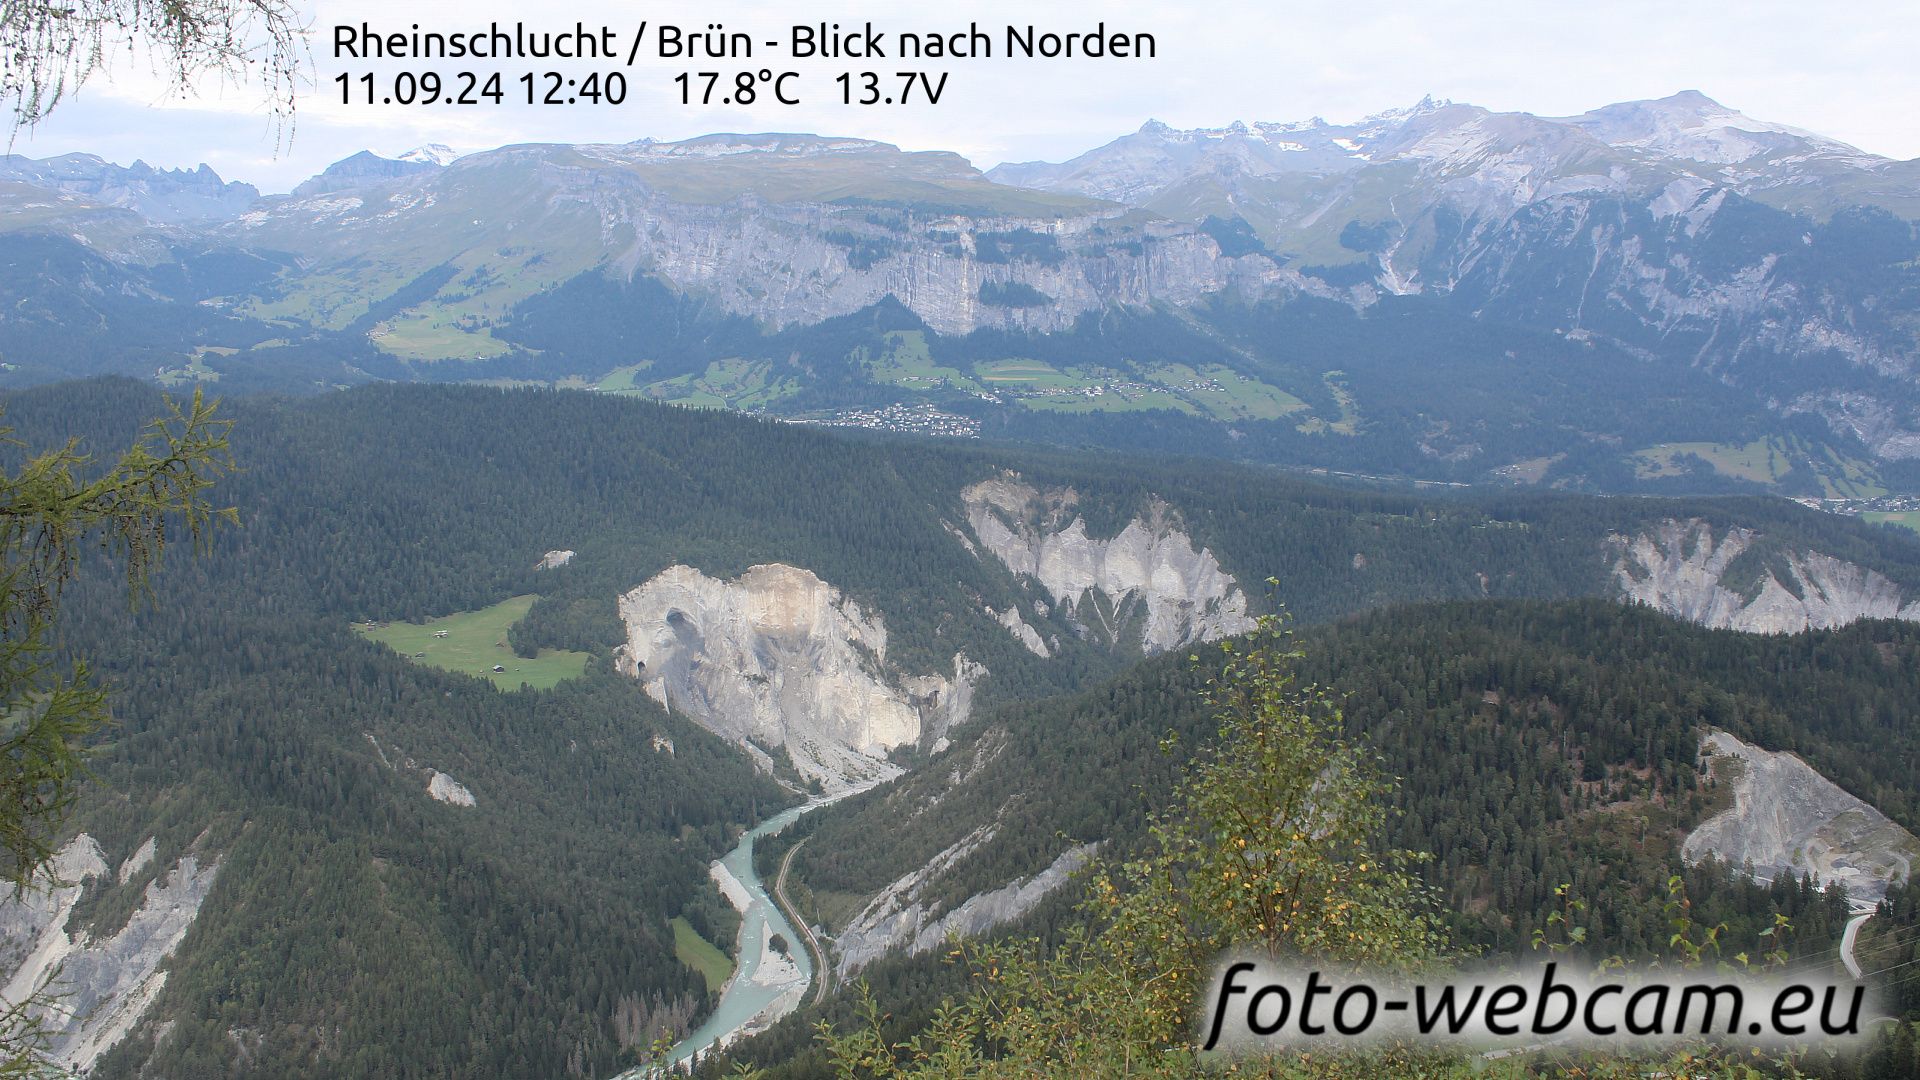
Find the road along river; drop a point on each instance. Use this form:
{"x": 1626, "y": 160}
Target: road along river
{"x": 765, "y": 985}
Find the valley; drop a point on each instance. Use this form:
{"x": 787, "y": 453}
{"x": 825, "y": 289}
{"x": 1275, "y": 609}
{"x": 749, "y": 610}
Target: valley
{"x": 1439, "y": 292}
{"x": 969, "y": 649}
{"x": 624, "y": 533}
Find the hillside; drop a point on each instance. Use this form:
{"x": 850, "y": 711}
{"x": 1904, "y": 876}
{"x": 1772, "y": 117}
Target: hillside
{"x": 1663, "y": 296}
{"x": 1536, "y": 744}
{"x": 383, "y": 862}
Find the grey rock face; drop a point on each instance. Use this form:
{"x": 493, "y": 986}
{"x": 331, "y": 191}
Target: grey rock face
{"x": 165, "y": 196}
{"x": 1680, "y": 568}
{"x": 554, "y": 560}
{"x": 366, "y": 169}
{"x": 895, "y": 913}
{"x": 103, "y": 986}
{"x": 899, "y": 917}
{"x": 983, "y": 911}
{"x": 778, "y": 658}
{"x": 1151, "y": 571}
{"x": 446, "y": 789}
{"x": 1021, "y": 631}
{"x": 1788, "y": 819}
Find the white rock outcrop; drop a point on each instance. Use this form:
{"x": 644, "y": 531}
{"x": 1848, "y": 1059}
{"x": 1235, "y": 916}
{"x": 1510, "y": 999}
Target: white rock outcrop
{"x": 1150, "y": 572}
{"x": 895, "y": 914}
{"x": 1679, "y": 568}
{"x": 103, "y": 985}
{"x": 983, "y": 911}
{"x": 1023, "y": 633}
{"x": 448, "y": 790}
{"x": 1788, "y": 819}
{"x": 554, "y": 560}
{"x": 899, "y": 917}
{"x": 142, "y": 856}
{"x": 778, "y": 658}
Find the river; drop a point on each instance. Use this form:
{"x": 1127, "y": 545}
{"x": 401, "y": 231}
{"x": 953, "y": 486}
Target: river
{"x": 765, "y": 986}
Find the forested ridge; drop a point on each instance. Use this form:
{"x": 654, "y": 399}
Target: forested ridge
{"x": 1537, "y": 745}
{"x": 357, "y": 926}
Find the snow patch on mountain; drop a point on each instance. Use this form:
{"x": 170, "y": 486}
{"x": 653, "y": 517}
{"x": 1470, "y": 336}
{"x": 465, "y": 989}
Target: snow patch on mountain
{"x": 1692, "y": 126}
{"x": 430, "y": 154}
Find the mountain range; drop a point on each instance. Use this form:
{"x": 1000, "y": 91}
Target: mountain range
{"x": 1419, "y": 294}
{"x": 427, "y": 767}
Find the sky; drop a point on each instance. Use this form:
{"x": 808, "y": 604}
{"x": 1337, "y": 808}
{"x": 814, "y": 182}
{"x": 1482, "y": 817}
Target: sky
{"x": 1852, "y": 79}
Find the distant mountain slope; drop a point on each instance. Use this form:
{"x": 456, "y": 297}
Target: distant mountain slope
{"x": 1680, "y": 230}
{"x": 1662, "y": 295}
{"x": 165, "y": 196}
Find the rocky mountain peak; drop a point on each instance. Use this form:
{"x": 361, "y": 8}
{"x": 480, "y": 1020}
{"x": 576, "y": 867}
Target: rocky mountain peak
{"x": 165, "y": 196}
{"x": 1692, "y": 126}
{"x": 367, "y": 168}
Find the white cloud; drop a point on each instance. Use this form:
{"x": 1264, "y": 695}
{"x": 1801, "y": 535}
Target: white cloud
{"x": 1219, "y": 61}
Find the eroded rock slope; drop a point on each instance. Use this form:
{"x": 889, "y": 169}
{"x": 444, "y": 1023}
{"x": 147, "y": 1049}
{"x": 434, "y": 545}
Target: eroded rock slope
{"x": 902, "y": 915}
{"x": 1680, "y": 567}
{"x": 778, "y": 658}
{"x": 1150, "y": 574}
{"x": 102, "y": 985}
{"x": 1788, "y": 819}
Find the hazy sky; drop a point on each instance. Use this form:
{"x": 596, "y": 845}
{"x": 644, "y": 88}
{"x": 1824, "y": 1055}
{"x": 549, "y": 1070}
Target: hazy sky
{"x": 1852, "y": 78}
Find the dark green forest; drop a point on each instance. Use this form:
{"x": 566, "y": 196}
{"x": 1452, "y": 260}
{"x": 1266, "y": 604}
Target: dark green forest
{"x": 1536, "y": 745}
{"x": 358, "y": 927}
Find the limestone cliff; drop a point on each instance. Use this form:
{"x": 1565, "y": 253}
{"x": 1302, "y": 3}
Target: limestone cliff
{"x": 1680, "y": 568}
{"x": 900, "y": 918}
{"x": 448, "y": 790}
{"x": 1788, "y": 819}
{"x": 777, "y": 658}
{"x": 103, "y": 985}
{"x": 1150, "y": 574}
{"x": 1017, "y": 626}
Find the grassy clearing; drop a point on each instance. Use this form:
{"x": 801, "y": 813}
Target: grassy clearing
{"x": 1907, "y": 518}
{"x": 1531, "y": 470}
{"x": 196, "y": 370}
{"x": 1764, "y": 461}
{"x": 700, "y": 954}
{"x": 1028, "y": 375}
{"x": 1223, "y": 392}
{"x": 905, "y": 362}
{"x": 475, "y": 643}
{"x": 1349, "y": 422}
{"x": 621, "y": 379}
{"x": 1849, "y": 478}
{"x": 726, "y": 384}
{"x": 1141, "y": 401}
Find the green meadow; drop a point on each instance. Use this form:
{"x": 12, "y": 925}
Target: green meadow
{"x": 475, "y": 642}
{"x": 700, "y": 954}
